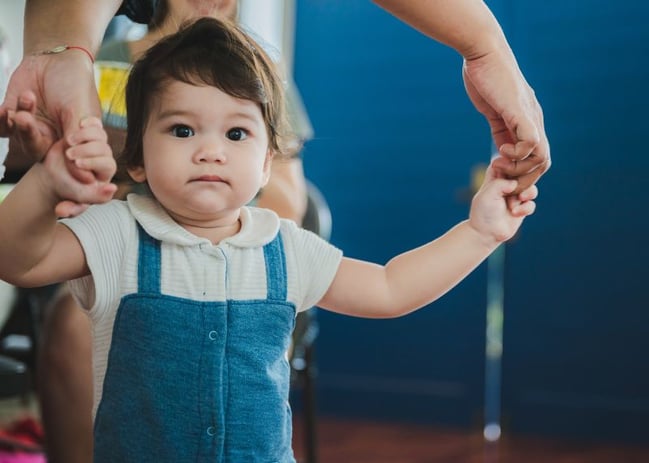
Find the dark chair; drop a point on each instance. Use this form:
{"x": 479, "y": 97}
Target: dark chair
{"x": 18, "y": 342}
{"x": 14, "y": 378}
{"x": 303, "y": 371}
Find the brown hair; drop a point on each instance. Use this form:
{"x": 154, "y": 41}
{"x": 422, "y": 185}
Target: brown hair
{"x": 206, "y": 52}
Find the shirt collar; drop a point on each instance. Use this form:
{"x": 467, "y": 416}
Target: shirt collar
{"x": 258, "y": 226}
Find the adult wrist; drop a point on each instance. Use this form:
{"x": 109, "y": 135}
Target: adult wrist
{"x": 50, "y": 23}
{"x": 32, "y": 47}
{"x": 63, "y": 48}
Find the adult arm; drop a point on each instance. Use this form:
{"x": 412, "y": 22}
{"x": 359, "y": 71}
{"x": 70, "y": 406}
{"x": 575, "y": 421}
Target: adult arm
{"x": 53, "y": 92}
{"x": 49, "y": 23}
{"x": 49, "y": 94}
{"x": 492, "y": 79}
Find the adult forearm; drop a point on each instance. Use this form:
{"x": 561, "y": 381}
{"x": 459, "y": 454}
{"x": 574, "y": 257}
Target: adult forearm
{"x": 27, "y": 226}
{"x": 49, "y": 23}
{"x": 468, "y": 26}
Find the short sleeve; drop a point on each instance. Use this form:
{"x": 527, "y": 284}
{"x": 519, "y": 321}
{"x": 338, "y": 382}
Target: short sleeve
{"x": 103, "y": 231}
{"x": 312, "y": 263}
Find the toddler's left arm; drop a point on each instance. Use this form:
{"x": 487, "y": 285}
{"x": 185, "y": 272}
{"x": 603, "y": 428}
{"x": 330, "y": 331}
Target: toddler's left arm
{"x": 415, "y": 278}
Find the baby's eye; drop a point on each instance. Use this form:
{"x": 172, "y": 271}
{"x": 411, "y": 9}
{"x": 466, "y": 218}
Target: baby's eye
{"x": 237, "y": 134}
{"x": 182, "y": 131}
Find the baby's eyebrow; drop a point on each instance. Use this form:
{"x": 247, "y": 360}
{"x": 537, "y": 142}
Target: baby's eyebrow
{"x": 174, "y": 112}
{"x": 244, "y": 115}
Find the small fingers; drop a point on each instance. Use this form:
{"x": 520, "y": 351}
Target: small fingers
{"x": 523, "y": 204}
{"x": 89, "y": 149}
{"x": 104, "y": 167}
{"x": 84, "y": 196}
{"x": 95, "y": 157}
{"x": 523, "y": 209}
{"x": 502, "y": 186}
{"x": 66, "y": 209}
{"x": 529, "y": 194}
{"x": 90, "y": 129}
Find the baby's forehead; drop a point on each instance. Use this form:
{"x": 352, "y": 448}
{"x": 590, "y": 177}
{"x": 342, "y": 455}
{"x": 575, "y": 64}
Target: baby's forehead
{"x": 179, "y": 98}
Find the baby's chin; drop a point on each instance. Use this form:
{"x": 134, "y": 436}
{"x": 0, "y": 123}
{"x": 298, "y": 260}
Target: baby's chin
{"x": 208, "y": 216}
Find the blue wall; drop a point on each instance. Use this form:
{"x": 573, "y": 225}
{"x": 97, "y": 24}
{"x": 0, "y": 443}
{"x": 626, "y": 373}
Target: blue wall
{"x": 396, "y": 139}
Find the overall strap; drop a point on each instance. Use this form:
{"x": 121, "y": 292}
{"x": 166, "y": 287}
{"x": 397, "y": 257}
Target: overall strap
{"x": 148, "y": 264}
{"x": 276, "y": 269}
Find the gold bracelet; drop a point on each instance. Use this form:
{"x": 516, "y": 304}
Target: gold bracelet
{"x": 62, "y": 48}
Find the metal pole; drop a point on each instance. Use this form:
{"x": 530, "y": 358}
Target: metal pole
{"x": 494, "y": 343}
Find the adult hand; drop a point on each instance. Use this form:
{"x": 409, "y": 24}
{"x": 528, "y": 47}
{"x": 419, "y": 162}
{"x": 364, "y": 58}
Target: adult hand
{"x": 499, "y": 91}
{"x": 46, "y": 99}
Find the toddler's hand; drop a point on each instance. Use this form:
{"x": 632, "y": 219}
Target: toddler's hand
{"x": 497, "y": 214}
{"x": 81, "y": 174}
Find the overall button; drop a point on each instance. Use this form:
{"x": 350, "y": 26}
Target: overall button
{"x": 211, "y": 431}
{"x": 212, "y": 335}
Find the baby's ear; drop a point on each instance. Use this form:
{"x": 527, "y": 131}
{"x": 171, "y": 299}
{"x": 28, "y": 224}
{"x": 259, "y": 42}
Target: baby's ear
{"x": 138, "y": 174}
{"x": 268, "y": 162}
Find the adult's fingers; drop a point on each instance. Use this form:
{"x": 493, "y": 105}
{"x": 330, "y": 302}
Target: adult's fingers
{"x": 527, "y": 171}
{"x": 30, "y": 136}
{"x": 529, "y": 149}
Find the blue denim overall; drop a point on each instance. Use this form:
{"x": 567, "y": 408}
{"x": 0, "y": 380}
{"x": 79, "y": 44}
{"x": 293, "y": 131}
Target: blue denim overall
{"x": 191, "y": 381}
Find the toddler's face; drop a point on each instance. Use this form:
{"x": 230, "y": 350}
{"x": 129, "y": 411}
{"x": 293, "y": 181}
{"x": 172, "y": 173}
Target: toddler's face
{"x": 205, "y": 153}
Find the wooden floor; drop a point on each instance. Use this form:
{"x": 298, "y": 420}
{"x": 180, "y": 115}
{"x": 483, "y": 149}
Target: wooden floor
{"x": 353, "y": 441}
{"x": 369, "y": 442}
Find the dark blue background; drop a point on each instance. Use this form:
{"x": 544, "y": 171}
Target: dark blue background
{"x": 396, "y": 139}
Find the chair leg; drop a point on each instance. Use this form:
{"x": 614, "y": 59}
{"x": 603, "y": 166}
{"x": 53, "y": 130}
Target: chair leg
{"x": 310, "y": 412}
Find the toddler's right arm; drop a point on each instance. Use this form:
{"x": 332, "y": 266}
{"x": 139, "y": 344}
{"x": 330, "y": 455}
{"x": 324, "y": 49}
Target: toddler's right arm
{"x": 35, "y": 249}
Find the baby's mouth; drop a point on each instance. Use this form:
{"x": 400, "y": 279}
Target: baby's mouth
{"x": 209, "y": 178}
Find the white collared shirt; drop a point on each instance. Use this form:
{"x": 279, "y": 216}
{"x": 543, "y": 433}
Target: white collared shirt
{"x": 191, "y": 267}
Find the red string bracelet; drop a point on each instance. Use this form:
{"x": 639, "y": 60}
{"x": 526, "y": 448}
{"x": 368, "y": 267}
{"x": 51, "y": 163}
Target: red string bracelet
{"x": 62, "y": 48}
{"x": 85, "y": 50}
